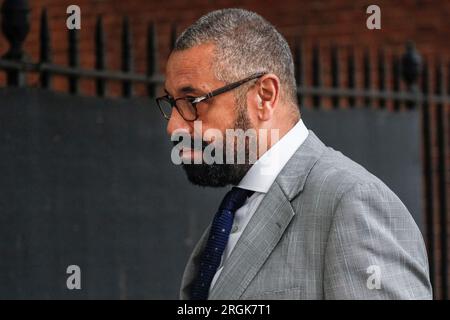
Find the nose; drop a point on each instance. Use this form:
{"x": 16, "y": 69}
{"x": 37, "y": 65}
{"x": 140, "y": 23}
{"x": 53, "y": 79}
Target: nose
{"x": 176, "y": 122}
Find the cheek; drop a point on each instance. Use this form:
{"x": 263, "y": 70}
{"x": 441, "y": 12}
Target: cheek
{"x": 220, "y": 116}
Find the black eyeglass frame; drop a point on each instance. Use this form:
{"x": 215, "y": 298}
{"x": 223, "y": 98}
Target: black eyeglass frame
{"x": 194, "y": 100}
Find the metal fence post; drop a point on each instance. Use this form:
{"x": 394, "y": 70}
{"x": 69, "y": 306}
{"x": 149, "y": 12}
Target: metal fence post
{"x": 15, "y": 27}
{"x": 410, "y": 70}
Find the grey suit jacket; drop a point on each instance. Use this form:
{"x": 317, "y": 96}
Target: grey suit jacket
{"x": 326, "y": 229}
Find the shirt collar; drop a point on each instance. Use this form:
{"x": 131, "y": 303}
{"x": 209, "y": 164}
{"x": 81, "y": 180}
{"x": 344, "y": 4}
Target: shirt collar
{"x": 264, "y": 171}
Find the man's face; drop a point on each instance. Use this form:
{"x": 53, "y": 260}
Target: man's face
{"x": 190, "y": 73}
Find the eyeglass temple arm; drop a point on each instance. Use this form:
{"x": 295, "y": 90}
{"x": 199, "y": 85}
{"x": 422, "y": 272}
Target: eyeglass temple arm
{"x": 229, "y": 87}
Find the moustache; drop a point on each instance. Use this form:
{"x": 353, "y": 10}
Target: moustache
{"x": 194, "y": 144}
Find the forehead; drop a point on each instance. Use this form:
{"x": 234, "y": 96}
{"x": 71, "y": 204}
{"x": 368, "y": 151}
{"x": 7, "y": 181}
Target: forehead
{"x": 191, "y": 68}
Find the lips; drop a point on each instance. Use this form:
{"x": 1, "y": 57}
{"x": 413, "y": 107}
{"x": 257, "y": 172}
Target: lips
{"x": 193, "y": 149}
{"x": 194, "y": 145}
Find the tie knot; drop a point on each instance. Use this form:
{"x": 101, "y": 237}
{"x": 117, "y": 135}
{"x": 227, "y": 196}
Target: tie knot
{"x": 234, "y": 199}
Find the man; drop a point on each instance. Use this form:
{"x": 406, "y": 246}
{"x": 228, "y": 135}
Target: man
{"x": 303, "y": 221}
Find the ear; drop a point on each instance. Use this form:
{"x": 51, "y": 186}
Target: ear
{"x": 268, "y": 93}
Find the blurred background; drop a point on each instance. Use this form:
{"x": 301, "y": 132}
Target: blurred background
{"x": 85, "y": 170}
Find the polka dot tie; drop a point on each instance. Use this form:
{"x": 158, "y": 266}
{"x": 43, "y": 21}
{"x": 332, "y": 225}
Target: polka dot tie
{"x": 217, "y": 241}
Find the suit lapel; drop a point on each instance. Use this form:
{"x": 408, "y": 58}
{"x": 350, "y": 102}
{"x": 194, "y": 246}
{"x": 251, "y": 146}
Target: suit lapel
{"x": 268, "y": 223}
{"x": 256, "y": 243}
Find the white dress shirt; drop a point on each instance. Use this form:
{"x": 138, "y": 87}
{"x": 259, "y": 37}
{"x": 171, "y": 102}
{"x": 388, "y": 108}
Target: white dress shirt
{"x": 259, "y": 178}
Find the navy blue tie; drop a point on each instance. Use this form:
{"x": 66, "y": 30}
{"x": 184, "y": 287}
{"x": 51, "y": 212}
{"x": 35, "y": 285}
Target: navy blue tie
{"x": 217, "y": 241}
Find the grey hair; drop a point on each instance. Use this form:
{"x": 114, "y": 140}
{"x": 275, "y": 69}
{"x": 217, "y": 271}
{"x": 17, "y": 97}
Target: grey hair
{"x": 245, "y": 43}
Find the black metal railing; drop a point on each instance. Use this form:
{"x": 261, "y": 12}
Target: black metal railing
{"x": 15, "y": 26}
{"x": 403, "y": 82}
{"x": 404, "y": 70}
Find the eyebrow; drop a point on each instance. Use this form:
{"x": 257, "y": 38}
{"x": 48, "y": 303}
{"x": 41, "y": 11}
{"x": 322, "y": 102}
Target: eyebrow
{"x": 186, "y": 89}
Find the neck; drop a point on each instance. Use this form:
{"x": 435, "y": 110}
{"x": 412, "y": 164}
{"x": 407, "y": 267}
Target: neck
{"x": 270, "y": 136}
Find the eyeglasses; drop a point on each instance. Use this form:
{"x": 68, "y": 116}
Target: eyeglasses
{"x": 187, "y": 106}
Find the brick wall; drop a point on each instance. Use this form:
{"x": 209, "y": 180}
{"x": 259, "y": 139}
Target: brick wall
{"x": 341, "y": 22}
